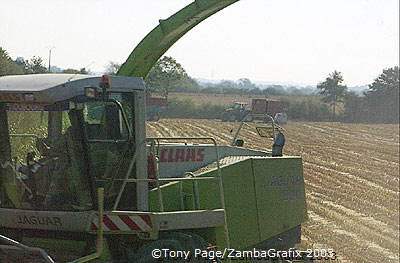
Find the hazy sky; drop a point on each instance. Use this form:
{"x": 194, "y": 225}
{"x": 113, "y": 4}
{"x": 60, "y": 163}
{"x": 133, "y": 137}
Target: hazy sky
{"x": 271, "y": 40}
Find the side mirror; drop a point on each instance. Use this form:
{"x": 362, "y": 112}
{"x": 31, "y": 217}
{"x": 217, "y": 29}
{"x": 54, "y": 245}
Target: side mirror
{"x": 239, "y": 143}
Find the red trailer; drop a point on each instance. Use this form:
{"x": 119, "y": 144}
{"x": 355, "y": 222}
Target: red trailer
{"x": 270, "y": 107}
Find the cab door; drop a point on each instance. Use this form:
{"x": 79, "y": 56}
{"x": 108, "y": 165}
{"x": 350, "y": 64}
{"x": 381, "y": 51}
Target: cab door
{"x": 111, "y": 147}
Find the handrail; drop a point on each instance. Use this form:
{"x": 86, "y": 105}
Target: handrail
{"x": 243, "y": 122}
{"x": 23, "y": 135}
{"x": 169, "y": 179}
{"x": 158, "y": 180}
{"x": 131, "y": 164}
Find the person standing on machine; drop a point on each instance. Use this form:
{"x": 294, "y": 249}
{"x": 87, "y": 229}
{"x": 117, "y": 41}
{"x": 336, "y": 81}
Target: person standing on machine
{"x": 279, "y": 142}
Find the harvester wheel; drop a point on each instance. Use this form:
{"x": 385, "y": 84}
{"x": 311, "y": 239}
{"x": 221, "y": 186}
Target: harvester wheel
{"x": 174, "y": 241}
{"x": 248, "y": 118}
{"x": 232, "y": 118}
{"x": 144, "y": 254}
{"x": 156, "y": 117}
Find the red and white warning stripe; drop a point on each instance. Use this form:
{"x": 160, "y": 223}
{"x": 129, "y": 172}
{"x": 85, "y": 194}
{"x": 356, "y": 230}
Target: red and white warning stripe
{"x": 140, "y": 223}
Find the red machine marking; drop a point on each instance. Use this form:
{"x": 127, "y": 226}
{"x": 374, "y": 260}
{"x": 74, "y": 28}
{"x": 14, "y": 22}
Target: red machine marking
{"x": 93, "y": 226}
{"x": 147, "y": 220}
{"x": 182, "y": 155}
{"x": 139, "y": 223}
{"x": 132, "y": 225}
{"x": 109, "y": 223}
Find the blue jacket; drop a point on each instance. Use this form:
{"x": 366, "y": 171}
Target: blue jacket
{"x": 279, "y": 140}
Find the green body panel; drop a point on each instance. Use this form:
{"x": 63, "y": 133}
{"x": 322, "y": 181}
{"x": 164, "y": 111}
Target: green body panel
{"x": 263, "y": 197}
{"x": 162, "y": 37}
{"x": 280, "y": 194}
{"x": 170, "y": 195}
{"x": 240, "y": 206}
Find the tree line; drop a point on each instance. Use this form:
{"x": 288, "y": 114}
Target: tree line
{"x": 379, "y": 104}
{"x": 333, "y": 101}
{"x": 35, "y": 65}
{"x": 167, "y": 76}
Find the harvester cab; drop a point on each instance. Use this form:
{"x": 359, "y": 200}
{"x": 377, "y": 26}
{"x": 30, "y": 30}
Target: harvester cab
{"x": 239, "y": 106}
{"x": 62, "y": 136}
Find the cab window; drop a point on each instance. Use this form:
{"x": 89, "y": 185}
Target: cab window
{"x": 44, "y": 169}
{"x": 105, "y": 121}
{"x": 110, "y": 144}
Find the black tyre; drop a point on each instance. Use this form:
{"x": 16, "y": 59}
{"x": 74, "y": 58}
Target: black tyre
{"x": 156, "y": 117}
{"x": 224, "y": 117}
{"x": 248, "y": 118}
{"x": 144, "y": 254}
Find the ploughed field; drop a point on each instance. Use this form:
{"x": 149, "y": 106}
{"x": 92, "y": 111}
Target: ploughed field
{"x": 351, "y": 174}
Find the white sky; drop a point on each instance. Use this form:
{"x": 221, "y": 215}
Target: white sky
{"x": 271, "y": 40}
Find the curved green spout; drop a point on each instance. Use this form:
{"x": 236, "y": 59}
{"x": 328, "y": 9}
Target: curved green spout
{"x": 163, "y": 36}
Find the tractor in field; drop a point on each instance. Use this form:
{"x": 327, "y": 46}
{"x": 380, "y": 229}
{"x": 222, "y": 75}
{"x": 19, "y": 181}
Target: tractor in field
{"x": 240, "y": 111}
{"x": 154, "y": 107}
{"x": 237, "y": 112}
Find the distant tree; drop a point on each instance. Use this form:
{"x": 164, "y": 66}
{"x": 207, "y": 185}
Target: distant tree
{"x": 35, "y": 65}
{"x": 188, "y": 84}
{"x": 293, "y": 91}
{"x": 382, "y": 98}
{"x": 8, "y": 66}
{"x": 256, "y": 91}
{"x": 245, "y": 83}
{"x": 210, "y": 89}
{"x": 23, "y": 64}
{"x": 165, "y": 76}
{"x": 4, "y": 54}
{"x": 226, "y": 85}
{"x": 112, "y": 68}
{"x": 75, "y": 71}
{"x": 354, "y": 108}
{"x": 83, "y": 71}
{"x": 332, "y": 90}
{"x": 275, "y": 90}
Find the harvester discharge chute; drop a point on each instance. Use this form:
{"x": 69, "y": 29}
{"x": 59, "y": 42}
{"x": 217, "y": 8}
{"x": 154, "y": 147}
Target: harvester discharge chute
{"x": 170, "y": 30}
